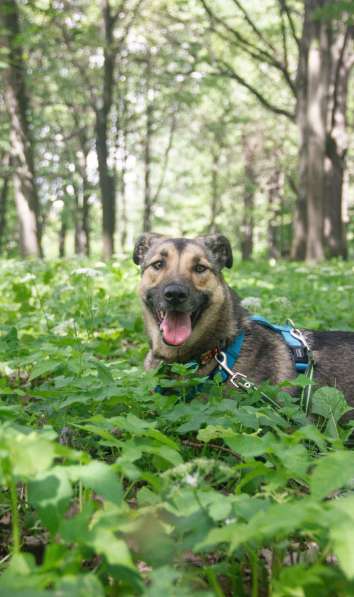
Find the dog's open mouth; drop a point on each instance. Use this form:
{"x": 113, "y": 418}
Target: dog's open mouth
{"x": 176, "y": 326}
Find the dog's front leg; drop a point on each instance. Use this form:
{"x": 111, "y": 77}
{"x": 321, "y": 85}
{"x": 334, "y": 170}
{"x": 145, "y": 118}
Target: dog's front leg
{"x": 151, "y": 362}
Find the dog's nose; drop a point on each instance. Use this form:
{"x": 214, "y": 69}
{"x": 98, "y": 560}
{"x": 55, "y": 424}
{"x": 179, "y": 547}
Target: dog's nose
{"x": 175, "y": 293}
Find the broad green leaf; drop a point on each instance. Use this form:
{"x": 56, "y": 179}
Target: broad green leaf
{"x": 342, "y": 538}
{"x": 43, "y": 368}
{"x": 105, "y": 543}
{"x": 28, "y": 454}
{"x": 332, "y": 472}
{"x": 329, "y": 403}
{"x": 50, "y": 493}
{"x": 83, "y": 585}
{"x": 99, "y": 477}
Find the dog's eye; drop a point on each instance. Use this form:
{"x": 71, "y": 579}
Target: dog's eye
{"x": 199, "y": 268}
{"x": 158, "y": 264}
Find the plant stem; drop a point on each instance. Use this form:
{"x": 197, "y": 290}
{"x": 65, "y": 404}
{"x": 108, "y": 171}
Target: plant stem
{"x": 15, "y": 521}
{"x": 254, "y": 568}
{"x": 214, "y": 583}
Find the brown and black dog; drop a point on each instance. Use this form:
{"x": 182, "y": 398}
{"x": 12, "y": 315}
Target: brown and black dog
{"x": 189, "y": 310}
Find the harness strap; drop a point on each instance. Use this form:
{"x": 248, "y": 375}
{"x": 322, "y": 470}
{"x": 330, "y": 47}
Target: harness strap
{"x": 232, "y": 353}
{"x": 294, "y": 339}
{"x": 297, "y": 347}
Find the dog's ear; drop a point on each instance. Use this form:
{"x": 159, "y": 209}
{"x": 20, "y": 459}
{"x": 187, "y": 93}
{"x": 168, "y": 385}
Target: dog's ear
{"x": 142, "y": 245}
{"x": 220, "y": 248}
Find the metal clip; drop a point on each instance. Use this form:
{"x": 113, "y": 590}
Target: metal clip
{"x": 296, "y": 333}
{"x": 239, "y": 380}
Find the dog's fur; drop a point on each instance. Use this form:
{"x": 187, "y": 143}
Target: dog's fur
{"x": 220, "y": 315}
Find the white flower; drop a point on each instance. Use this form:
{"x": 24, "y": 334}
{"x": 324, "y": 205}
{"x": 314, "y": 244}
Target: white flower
{"x": 28, "y": 278}
{"x": 283, "y": 301}
{"x": 251, "y": 302}
{"x": 191, "y": 480}
{"x": 86, "y": 271}
{"x": 64, "y": 326}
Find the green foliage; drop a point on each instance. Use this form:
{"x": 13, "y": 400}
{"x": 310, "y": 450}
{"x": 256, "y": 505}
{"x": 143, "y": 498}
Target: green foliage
{"x": 109, "y": 488}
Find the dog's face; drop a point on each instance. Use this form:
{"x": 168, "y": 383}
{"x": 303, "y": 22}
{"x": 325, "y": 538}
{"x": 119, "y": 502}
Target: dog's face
{"x": 181, "y": 286}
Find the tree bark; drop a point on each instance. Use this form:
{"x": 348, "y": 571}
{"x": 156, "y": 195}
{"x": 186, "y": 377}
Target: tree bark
{"x": 123, "y": 189}
{"x": 215, "y": 198}
{"x": 298, "y": 249}
{"x": 86, "y": 228}
{"x": 17, "y": 104}
{"x": 274, "y": 210}
{"x": 79, "y": 241}
{"x": 247, "y": 225}
{"x": 322, "y": 87}
{"x": 62, "y": 235}
{"x": 102, "y": 113}
{"x": 337, "y": 143}
{"x": 147, "y": 149}
{"x": 3, "y": 204}
{"x": 316, "y": 116}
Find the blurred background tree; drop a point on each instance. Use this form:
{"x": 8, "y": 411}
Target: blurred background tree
{"x": 187, "y": 117}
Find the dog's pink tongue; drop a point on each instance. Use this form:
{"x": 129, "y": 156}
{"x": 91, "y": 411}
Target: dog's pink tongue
{"x": 176, "y": 327}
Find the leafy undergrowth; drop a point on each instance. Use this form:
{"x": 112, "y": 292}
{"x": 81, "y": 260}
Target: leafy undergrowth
{"x": 111, "y": 489}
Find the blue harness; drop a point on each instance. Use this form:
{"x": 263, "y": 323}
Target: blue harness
{"x": 297, "y": 349}
{"x": 232, "y": 352}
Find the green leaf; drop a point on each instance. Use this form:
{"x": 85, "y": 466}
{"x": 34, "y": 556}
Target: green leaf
{"x": 215, "y": 432}
{"x": 342, "y": 538}
{"x": 329, "y": 403}
{"x": 248, "y": 446}
{"x": 105, "y": 543}
{"x": 83, "y": 585}
{"x": 44, "y": 367}
{"x": 332, "y": 472}
{"x": 50, "y": 493}
{"x": 99, "y": 477}
{"x": 28, "y": 454}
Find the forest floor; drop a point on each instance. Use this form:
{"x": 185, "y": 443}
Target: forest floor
{"x": 112, "y": 489}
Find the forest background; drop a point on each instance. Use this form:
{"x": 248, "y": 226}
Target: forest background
{"x": 185, "y": 117}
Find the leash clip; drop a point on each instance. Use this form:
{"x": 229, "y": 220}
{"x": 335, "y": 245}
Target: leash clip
{"x": 239, "y": 380}
{"x": 296, "y": 333}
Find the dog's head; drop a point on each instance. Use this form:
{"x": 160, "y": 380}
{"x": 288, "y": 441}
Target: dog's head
{"x": 181, "y": 285}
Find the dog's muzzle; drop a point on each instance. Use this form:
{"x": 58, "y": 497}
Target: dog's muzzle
{"x": 177, "y": 308}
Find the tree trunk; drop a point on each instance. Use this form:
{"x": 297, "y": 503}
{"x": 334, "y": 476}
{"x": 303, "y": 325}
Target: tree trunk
{"x": 3, "y": 208}
{"x": 16, "y": 99}
{"x": 322, "y": 89}
{"x": 247, "y": 225}
{"x": 107, "y": 185}
{"x": 79, "y": 239}
{"x": 337, "y": 143}
{"x": 215, "y": 198}
{"x": 274, "y": 209}
{"x": 316, "y": 115}
{"x": 298, "y": 248}
{"x": 147, "y": 150}
{"x": 86, "y": 228}
{"x": 106, "y": 178}
{"x": 62, "y": 235}
{"x": 123, "y": 210}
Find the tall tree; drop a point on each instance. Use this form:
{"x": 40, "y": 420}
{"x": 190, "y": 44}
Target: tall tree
{"x": 325, "y": 62}
{"x": 319, "y": 92}
{"x": 116, "y": 20}
{"x": 249, "y": 143}
{"x": 4, "y": 196}
{"x": 341, "y": 60}
{"x": 22, "y": 152}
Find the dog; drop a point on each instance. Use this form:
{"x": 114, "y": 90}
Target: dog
{"x": 189, "y": 312}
